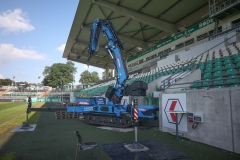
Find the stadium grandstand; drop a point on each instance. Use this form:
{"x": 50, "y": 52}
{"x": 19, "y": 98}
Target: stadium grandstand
{"x": 39, "y": 93}
{"x": 178, "y": 47}
{"x": 20, "y": 92}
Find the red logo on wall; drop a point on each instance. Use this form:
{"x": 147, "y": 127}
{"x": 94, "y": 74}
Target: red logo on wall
{"x": 173, "y": 105}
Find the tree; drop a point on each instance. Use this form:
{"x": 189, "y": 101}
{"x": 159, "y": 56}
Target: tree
{"x": 88, "y": 78}
{"x": 95, "y": 77}
{"x": 6, "y": 82}
{"x": 59, "y": 74}
{"x": 110, "y": 74}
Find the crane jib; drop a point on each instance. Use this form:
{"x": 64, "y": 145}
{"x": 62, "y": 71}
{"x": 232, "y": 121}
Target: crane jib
{"x": 114, "y": 46}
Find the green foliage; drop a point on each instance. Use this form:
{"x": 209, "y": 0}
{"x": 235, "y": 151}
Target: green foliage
{"x": 59, "y": 74}
{"x": 88, "y": 78}
{"x": 95, "y": 77}
{"x": 110, "y": 74}
{"x": 6, "y": 82}
{"x": 9, "y": 82}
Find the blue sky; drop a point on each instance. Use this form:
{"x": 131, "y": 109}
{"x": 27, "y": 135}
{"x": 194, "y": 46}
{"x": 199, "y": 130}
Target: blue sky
{"x": 33, "y": 34}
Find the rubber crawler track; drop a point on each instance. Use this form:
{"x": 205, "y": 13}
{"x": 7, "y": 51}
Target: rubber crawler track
{"x": 108, "y": 120}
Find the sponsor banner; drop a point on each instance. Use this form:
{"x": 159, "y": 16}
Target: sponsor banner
{"x": 174, "y": 38}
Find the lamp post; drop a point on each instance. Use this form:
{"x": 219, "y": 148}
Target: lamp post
{"x": 61, "y": 92}
{"x": 38, "y": 83}
{"x": 61, "y": 89}
{"x": 13, "y": 80}
{"x": 72, "y": 82}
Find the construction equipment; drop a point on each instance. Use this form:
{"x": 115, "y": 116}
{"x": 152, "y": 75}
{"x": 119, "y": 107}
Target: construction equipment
{"x": 112, "y": 113}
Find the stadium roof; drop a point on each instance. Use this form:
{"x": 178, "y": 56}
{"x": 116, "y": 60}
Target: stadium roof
{"x": 140, "y": 24}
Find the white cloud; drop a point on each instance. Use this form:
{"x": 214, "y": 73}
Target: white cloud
{"x": 61, "y": 48}
{"x": 1, "y": 76}
{"x": 9, "y": 52}
{"x": 15, "y": 21}
{"x": 87, "y": 67}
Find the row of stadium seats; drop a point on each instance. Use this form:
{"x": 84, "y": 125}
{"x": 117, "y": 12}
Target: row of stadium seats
{"x": 20, "y": 94}
{"x": 219, "y": 68}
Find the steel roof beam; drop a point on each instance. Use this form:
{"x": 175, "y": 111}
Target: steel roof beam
{"x": 151, "y": 21}
{"x": 101, "y": 49}
{"x": 94, "y": 57}
{"x": 125, "y": 39}
{"x": 111, "y": 66}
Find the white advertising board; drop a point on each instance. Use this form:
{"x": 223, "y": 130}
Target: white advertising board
{"x": 174, "y": 103}
{"x": 72, "y": 98}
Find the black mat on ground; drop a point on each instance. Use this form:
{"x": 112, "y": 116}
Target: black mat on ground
{"x": 157, "y": 151}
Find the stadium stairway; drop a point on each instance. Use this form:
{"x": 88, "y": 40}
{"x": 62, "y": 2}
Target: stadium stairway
{"x": 44, "y": 93}
{"x": 5, "y": 91}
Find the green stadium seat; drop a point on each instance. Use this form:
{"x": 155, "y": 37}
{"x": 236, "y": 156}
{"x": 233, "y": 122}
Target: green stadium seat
{"x": 164, "y": 73}
{"x": 232, "y": 79}
{"x": 218, "y": 60}
{"x": 196, "y": 83}
{"x": 169, "y": 72}
{"x": 218, "y": 81}
{"x": 218, "y": 68}
{"x": 231, "y": 72}
{"x": 218, "y": 74}
{"x": 227, "y": 57}
{"x": 202, "y": 68}
{"x": 160, "y": 74}
{"x": 235, "y": 85}
{"x": 236, "y": 55}
{"x": 209, "y": 61}
{"x": 207, "y": 76}
{"x": 178, "y": 70}
{"x": 218, "y": 63}
{"x": 227, "y": 61}
{"x": 219, "y": 86}
{"x": 238, "y": 65}
{"x": 237, "y": 59}
{"x": 206, "y": 82}
{"x": 202, "y": 64}
{"x": 209, "y": 65}
{"x": 229, "y": 66}
{"x": 208, "y": 70}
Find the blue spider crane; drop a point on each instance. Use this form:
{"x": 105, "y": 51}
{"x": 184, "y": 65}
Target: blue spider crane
{"x": 114, "y": 114}
{"x": 114, "y": 48}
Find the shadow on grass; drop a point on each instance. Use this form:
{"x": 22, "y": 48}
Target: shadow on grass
{"x": 52, "y": 139}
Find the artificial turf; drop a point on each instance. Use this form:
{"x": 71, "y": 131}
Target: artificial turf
{"x": 55, "y": 139}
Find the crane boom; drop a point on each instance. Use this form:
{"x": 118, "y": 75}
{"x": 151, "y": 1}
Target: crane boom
{"x": 114, "y": 48}
{"x": 114, "y": 114}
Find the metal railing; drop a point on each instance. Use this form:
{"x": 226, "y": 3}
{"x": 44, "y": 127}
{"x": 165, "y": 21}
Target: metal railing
{"x": 200, "y": 84}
